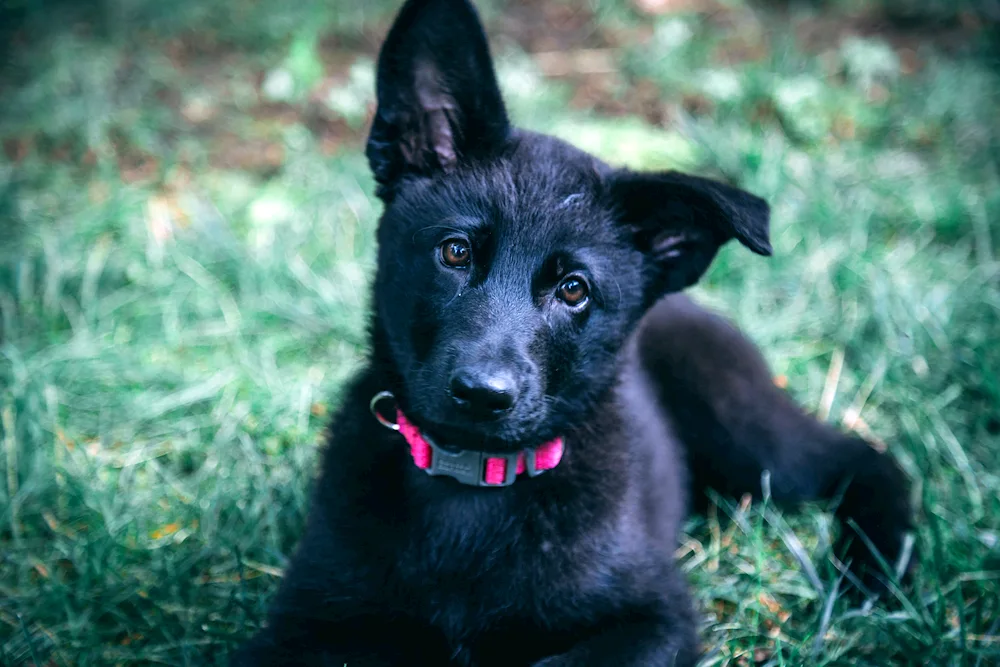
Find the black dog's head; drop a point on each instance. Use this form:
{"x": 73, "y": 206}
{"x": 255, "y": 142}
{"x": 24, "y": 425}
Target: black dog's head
{"x": 512, "y": 266}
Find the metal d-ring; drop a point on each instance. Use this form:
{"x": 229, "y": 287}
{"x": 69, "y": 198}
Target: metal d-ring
{"x": 373, "y": 406}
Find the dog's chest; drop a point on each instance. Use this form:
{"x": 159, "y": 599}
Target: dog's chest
{"x": 499, "y": 579}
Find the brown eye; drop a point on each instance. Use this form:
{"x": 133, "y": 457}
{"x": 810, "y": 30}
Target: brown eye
{"x": 456, "y": 253}
{"x": 573, "y": 291}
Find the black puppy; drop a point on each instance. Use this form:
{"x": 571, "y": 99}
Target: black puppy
{"x": 519, "y": 311}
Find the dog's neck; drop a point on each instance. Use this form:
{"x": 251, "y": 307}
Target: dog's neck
{"x": 470, "y": 467}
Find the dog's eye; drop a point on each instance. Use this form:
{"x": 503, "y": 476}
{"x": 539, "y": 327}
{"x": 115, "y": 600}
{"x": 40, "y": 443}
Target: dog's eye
{"x": 456, "y": 253}
{"x": 573, "y": 291}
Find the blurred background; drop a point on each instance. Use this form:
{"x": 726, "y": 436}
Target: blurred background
{"x": 186, "y": 243}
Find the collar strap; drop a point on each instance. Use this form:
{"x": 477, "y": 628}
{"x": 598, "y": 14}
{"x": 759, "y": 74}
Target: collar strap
{"x": 477, "y": 468}
{"x": 468, "y": 466}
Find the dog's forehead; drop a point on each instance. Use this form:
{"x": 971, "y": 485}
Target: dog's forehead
{"x": 536, "y": 213}
{"x": 542, "y": 201}
{"x": 542, "y": 191}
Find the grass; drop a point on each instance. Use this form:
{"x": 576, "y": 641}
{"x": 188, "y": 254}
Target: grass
{"x": 186, "y": 239}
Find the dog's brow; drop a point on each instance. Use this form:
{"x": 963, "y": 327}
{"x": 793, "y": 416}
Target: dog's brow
{"x": 465, "y": 222}
{"x": 457, "y": 224}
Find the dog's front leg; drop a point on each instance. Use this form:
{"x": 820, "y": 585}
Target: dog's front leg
{"x": 663, "y": 641}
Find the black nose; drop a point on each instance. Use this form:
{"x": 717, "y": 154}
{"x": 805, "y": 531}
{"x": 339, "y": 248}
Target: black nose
{"x": 483, "y": 392}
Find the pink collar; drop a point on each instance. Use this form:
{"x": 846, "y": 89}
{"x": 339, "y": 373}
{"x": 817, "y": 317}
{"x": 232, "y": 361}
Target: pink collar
{"x": 467, "y": 466}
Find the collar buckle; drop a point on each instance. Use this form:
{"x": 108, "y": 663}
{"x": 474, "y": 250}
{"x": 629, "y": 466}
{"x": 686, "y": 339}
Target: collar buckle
{"x": 468, "y": 466}
{"x": 530, "y": 464}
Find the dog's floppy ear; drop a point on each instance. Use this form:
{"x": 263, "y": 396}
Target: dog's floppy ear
{"x": 679, "y": 222}
{"x": 438, "y": 98}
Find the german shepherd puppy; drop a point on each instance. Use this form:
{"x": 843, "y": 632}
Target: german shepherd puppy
{"x": 553, "y": 403}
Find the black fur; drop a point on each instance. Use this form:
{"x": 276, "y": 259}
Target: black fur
{"x": 655, "y": 397}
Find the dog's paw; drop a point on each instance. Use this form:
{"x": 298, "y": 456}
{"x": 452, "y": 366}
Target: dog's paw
{"x": 876, "y": 539}
{"x": 877, "y": 522}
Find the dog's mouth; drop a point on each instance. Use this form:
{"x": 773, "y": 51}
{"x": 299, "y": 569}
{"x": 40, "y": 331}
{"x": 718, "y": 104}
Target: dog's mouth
{"x": 506, "y": 435}
{"x": 458, "y": 438}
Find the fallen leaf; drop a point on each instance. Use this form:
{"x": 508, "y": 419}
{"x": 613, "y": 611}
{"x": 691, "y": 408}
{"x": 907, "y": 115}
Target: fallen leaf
{"x": 166, "y": 530}
{"x": 769, "y": 602}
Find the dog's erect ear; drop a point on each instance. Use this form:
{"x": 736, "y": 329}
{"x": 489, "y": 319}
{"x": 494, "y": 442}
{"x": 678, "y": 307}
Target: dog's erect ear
{"x": 679, "y": 222}
{"x": 438, "y": 98}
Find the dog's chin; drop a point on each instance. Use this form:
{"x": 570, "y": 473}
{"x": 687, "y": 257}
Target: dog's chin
{"x": 499, "y": 436}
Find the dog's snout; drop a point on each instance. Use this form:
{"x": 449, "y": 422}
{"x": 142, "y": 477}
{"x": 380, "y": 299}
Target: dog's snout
{"x": 484, "y": 392}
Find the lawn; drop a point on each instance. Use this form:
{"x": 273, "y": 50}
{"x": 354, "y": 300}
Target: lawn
{"x": 187, "y": 238}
